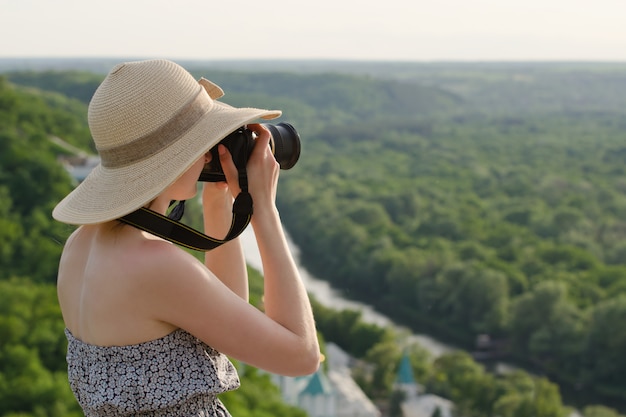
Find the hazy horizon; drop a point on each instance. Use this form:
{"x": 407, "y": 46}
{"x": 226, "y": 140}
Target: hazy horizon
{"x": 396, "y": 30}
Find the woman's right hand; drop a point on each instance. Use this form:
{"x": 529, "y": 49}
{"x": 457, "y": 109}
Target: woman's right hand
{"x": 263, "y": 171}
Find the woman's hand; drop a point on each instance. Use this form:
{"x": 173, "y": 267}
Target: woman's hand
{"x": 263, "y": 171}
{"x": 218, "y": 191}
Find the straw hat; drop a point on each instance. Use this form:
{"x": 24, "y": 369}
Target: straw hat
{"x": 150, "y": 121}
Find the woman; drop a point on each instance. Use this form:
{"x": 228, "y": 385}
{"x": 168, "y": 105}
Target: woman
{"x": 148, "y": 326}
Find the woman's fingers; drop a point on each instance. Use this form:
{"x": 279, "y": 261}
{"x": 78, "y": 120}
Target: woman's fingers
{"x": 230, "y": 170}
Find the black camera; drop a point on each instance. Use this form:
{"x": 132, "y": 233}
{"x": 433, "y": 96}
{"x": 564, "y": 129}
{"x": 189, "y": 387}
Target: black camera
{"x": 285, "y": 145}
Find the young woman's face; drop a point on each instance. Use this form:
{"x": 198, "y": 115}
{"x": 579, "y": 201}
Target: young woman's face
{"x": 185, "y": 187}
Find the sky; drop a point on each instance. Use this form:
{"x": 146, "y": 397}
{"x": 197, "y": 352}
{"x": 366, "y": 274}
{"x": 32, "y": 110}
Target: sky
{"x": 369, "y": 30}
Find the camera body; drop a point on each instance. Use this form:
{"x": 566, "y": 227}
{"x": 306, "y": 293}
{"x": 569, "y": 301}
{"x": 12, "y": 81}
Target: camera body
{"x": 284, "y": 143}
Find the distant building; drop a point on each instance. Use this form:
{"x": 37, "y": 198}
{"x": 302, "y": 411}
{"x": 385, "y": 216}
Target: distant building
{"x": 405, "y": 381}
{"x": 317, "y": 397}
{"x": 350, "y": 399}
{"x": 328, "y": 394}
{"x": 416, "y": 403}
{"x": 79, "y": 166}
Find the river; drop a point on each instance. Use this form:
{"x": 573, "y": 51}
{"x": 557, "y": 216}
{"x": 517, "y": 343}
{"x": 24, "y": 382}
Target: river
{"x": 332, "y": 298}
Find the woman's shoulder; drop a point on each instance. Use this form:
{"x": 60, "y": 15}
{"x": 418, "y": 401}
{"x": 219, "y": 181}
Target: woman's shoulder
{"x": 161, "y": 265}
{"x": 159, "y": 256}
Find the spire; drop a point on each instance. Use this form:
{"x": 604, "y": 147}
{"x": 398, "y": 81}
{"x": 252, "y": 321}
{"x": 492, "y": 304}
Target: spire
{"x": 318, "y": 385}
{"x": 405, "y": 372}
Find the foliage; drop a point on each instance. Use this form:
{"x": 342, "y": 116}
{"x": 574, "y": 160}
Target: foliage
{"x": 348, "y": 330}
{"x": 33, "y": 379}
{"x": 395, "y": 403}
{"x": 79, "y": 85}
{"x": 459, "y": 199}
{"x": 459, "y": 231}
{"x": 477, "y": 393}
{"x": 31, "y": 182}
{"x": 456, "y": 375}
{"x": 600, "y": 411}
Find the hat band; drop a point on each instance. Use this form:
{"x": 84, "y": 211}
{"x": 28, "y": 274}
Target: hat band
{"x": 166, "y": 135}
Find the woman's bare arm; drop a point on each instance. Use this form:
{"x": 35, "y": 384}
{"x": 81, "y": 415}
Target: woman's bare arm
{"x": 227, "y": 261}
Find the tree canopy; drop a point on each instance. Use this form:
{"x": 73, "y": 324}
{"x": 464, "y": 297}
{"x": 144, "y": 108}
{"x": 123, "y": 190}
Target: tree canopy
{"x": 461, "y": 200}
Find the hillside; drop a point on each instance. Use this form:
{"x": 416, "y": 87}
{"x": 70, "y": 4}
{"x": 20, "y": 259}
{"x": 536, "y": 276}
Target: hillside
{"x": 461, "y": 200}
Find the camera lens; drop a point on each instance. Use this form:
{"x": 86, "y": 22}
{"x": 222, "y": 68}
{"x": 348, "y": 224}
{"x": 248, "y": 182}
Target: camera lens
{"x": 286, "y": 143}
{"x": 285, "y": 146}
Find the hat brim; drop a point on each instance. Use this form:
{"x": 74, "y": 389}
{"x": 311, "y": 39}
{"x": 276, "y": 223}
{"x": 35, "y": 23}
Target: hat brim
{"x": 107, "y": 194}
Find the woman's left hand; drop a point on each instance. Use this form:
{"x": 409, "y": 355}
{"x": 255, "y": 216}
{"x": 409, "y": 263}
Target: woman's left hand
{"x": 214, "y": 192}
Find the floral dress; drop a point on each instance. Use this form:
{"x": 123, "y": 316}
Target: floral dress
{"x": 176, "y": 375}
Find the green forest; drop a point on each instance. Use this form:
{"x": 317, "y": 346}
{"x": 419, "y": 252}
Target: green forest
{"x": 459, "y": 199}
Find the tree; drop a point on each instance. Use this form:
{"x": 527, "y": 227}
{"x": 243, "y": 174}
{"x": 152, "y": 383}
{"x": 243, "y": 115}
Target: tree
{"x": 385, "y": 358}
{"x": 458, "y": 377}
{"x": 468, "y": 297}
{"x": 547, "y": 326}
{"x": 524, "y": 395}
{"x": 33, "y": 380}
{"x": 396, "y": 399}
{"x": 600, "y": 411}
{"x": 605, "y": 342}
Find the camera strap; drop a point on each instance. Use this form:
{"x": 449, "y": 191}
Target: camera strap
{"x": 172, "y": 230}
